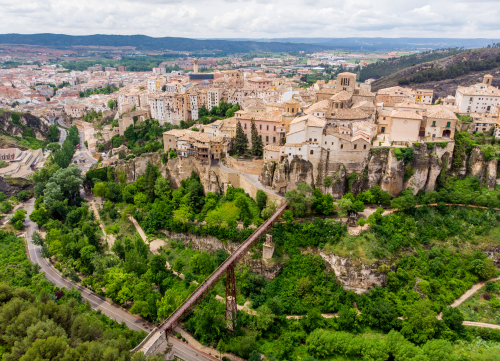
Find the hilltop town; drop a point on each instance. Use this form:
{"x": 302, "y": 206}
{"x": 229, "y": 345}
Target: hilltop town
{"x": 329, "y": 127}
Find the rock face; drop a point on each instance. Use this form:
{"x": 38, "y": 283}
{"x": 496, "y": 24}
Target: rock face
{"x": 491, "y": 173}
{"x": 355, "y": 277}
{"x": 26, "y": 120}
{"x": 476, "y": 164}
{"x": 269, "y": 268}
{"x": 12, "y": 186}
{"x": 381, "y": 167}
{"x": 392, "y": 180}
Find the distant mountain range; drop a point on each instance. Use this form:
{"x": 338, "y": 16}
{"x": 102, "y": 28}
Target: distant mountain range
{"x": 372, "y": 44}
{"x": 143, "y": 42}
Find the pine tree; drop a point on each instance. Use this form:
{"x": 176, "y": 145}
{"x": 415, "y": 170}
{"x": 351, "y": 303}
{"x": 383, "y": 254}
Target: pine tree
{"x": 240, "y": 140}
{"x": 149, "y": 180}
{"x": 257, "y": 145}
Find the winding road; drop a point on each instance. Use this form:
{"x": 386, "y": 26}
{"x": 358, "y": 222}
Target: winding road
{"x": 183, "y": 350}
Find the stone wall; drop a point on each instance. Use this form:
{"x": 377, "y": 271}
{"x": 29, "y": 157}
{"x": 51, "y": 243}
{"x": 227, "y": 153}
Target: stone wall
{"x": 249, "y": 166}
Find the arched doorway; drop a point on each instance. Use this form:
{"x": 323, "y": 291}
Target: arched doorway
{"x": 446, "y": 133}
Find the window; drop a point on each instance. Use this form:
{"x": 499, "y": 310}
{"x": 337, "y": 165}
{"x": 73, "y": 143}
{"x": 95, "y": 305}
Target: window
{"x": 332, "y": 143}
{"x": 382, "y": 130}
{"x": 310, "y": 139}
{"x": 245, "y": 125}
{"x": 342, "y": 146}
{"x": 260, "y": 126}
{"x": 355, "y": 146}
{"x": 275, "y": 128}
{"x": 274, "y": 139}
{"x": 325, "y": 143}
{"x": 448, "y": 124}
{"x": 434, "y": 123}
{"x": 267, "y": 138}
{"x": 267, "y": 127}
{"x": 312, "y": 152}
{"x": 364, "y": 146}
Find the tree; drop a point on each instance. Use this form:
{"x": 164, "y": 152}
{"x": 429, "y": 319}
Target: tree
{"x": 54, "y": 133}
{"x": 130, "y": 133}
{"x": 162, "y": 188}
{"x": 404, "y": 202}
{"x": 261, "y": 199}
{"x": 240, "y": 140}
{"x": 221, "y": 347}
{"x": 24, "y": 195}
{"x": 111, "y": 104}
{"x": 300, "y": 199}
{"x": 257, "y": 144}
{"x": 419, "y": 324}
{"x": 53, "y": 147}
{"x": 52, "y": 348}
{"x": 453, "y": 318}
{"x": 150, "y": 177}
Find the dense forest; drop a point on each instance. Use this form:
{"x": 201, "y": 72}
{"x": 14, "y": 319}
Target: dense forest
{"x": 390, "y": 66}
{"x": 39, "y": 321}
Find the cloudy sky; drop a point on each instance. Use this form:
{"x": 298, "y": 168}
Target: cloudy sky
{"x": 254, "y": 18}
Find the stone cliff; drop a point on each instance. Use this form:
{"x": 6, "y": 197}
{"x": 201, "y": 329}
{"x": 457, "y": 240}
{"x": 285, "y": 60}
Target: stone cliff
{"x": 381, "y": 167}
{"x": 26, "y": 121}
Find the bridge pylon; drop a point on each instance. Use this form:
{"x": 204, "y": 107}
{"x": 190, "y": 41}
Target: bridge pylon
{"x": 231, "y": 306}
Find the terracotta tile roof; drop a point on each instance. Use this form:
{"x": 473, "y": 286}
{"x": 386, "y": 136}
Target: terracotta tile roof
{"x": 440, "y": 112}
{"x": 406, "y": 114}
{"x": 363, "y": 104}
{"x": 328, "y": 91}
{"x": 274, "y": 148}
{"x": 341, "y": 96}
{"x": 479, "y": 89}
{"x": 177, "y": 132}
{"x": 365, "y": 93}
{"x": 349, "y": 114}
{"x": 317, "y": 106}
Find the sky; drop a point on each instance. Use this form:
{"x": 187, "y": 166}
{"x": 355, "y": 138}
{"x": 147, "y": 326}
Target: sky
{"x": 255, "y": 18}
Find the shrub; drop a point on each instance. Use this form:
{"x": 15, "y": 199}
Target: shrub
{"x": 487, "y": 296}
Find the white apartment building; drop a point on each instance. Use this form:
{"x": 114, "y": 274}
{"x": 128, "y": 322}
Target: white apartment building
{"x": 478, "y": 98}
{"x": 213, "y": 98}
{"x": 424, "y": 96}
{"x": 152, "y": 84}
{"x": 193, "y": 104}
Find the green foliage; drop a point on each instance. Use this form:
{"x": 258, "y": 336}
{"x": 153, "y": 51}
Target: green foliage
{"x": 405, "y": 154}
{"x": 240, "y": 140}
{"x": 257, "y": 144}
{"x": 300, "y": 199}
{"x": 392, "y": 65}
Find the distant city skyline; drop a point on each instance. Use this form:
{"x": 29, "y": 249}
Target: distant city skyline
{"x": 255, "y": 18}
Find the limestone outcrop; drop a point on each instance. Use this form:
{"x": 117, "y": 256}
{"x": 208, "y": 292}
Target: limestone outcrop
{"x": 354, "y": 276}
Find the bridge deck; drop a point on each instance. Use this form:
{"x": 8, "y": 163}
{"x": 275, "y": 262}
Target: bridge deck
{"x": 186, "y": 307}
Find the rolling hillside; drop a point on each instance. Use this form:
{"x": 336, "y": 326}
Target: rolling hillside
{"x": 445, "y": 75}
{"x": 142, "y": 42}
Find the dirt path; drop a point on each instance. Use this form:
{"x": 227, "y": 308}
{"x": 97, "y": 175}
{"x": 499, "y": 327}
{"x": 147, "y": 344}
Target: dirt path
{"x": 110, "y": 239}
{"x": 471, "y": 291}
{"x": 138, "y": 228}
{"x": 480, "y": 324}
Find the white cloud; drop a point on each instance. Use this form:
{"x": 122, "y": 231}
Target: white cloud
{"x": 254, "y": 18}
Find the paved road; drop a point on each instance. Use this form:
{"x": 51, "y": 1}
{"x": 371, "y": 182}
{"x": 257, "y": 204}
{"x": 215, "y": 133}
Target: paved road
{"x": 63, "y": 136}
{"x": 96, "y": 301}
